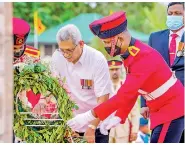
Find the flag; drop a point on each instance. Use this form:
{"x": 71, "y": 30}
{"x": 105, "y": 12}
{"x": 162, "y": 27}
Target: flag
{"x": 40, "y": 28}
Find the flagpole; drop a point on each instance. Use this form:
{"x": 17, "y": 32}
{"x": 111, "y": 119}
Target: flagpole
{"x": 38, "y": 26}
{"x": 35, "y": 39}
{"x": 35, "y": 19}
{"x": 35, "y": 22}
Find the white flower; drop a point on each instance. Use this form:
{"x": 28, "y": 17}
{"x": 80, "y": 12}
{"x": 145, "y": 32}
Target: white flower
{"x": 20, "y": 66}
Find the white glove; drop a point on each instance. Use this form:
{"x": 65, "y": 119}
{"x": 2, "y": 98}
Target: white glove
{"x": 80, "y": 120}
{"x": 109, "y": 123}
{"x": 103, "y": 125}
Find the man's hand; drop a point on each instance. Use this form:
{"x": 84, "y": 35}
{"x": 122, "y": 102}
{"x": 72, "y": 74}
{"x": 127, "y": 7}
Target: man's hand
{"x": 40, "y": 108}
{"x": 107, "y": 124}
{"x": 80, "y": 120}
{"x": 145, "y": 112}
{"x": 90, "y": 135}
{"x": 133, "y": 137}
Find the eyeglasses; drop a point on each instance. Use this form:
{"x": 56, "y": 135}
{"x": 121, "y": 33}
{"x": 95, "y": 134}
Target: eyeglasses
{"x": 67, "y": 51}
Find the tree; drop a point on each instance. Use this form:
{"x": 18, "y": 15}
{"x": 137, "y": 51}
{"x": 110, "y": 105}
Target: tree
{"x": 155, "y": 18}
{"x": 51, "y": 14}
{"x": 144, "y": 17}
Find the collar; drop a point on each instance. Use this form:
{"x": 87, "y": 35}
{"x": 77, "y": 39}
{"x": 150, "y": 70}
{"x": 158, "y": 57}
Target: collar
{"x": 82, "y": 58}
{"x": 179, "y": 33}
{"x": 126, "y": 54}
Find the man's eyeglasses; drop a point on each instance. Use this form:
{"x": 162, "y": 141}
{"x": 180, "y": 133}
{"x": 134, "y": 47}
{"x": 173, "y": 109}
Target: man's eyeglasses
{"x": 67, "y": 51}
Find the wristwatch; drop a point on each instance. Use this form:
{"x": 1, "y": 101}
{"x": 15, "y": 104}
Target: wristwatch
{"x": 92, "y": 126}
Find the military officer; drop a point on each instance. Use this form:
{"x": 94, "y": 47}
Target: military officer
{"x": 147, "y": 75}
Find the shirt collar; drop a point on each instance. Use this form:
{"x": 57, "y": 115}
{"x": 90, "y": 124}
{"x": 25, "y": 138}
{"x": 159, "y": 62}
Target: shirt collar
{"x": 179, "y": 33}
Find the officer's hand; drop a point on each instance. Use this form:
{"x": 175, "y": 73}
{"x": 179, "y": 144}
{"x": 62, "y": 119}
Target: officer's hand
{"x": 103, "y": 126}
{"x": 108, "y": 124}
{"x": 90, "y": 135}
{"x": 145, "y": 112}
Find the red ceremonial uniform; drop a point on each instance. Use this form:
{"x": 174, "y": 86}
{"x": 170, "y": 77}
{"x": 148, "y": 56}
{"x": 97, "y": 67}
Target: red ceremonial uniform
{"x": 147, "y": 74}
{"x": 147, "y": 71}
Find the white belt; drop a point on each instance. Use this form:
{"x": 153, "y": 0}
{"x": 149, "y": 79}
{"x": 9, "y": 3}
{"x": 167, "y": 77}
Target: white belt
{"x": 159, "y": 91}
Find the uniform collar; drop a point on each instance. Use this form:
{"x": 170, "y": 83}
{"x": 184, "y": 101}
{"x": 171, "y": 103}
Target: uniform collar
{"x": 126, "y": 54}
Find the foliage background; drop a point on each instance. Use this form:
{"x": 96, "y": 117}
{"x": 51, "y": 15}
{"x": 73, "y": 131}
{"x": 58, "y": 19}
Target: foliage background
{"x": 142, "y": 16}
{"x": 145, "y": 17}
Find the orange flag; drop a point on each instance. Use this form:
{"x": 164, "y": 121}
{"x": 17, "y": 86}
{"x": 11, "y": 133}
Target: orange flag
{"x": 40, "y": 28}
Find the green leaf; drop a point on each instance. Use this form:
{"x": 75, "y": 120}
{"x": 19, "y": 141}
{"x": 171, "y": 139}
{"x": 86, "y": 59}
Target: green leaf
{"x": 35, "y": 90}
{"x": 76, "y": 107}
{"x": 25, "y": 134}
{"x": 21, "y": 122}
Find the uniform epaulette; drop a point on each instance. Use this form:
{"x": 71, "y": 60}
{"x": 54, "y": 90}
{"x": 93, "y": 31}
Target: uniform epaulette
{"x": 31, "y": 51}
{"x": 133, "y": 50}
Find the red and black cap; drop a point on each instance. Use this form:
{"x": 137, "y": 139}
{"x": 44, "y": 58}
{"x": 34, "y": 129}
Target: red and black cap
{"x": 21, "y": 29}
{"x": 115, "y": 64}
{"x": 109, "y": 26}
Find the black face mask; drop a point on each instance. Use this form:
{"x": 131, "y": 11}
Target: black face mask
{"x": 19, "y": 53}
{"x": 117, "y": 50}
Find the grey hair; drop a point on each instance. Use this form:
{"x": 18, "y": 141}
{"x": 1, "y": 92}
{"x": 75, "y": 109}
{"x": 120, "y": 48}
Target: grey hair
{"x": 67, "y": 32}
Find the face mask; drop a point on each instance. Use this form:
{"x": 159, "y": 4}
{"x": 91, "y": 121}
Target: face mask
{"x": 117, "y": 50}
{"x": 174, "y": 22}
{"x": 18, "y": 54}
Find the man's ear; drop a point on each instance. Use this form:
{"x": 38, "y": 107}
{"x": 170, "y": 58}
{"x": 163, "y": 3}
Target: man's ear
{"x": 81, "y": 43}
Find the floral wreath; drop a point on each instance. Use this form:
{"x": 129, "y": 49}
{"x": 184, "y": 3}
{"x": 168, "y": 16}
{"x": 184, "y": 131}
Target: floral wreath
{"x": 39, "y": 79}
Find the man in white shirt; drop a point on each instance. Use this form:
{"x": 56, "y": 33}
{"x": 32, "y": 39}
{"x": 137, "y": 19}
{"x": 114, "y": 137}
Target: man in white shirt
{"x": 87, "y": 76}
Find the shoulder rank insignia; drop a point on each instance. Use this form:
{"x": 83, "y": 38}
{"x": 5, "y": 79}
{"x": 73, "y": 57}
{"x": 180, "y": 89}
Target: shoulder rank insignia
{"x": 32, "y": 52}
{"x": 133, "y": 50}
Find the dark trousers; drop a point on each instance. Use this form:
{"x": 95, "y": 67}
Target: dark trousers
{"x": 169, "y": 132}
{"x": 182, "y": 138}
{"x": 99, "y": 138}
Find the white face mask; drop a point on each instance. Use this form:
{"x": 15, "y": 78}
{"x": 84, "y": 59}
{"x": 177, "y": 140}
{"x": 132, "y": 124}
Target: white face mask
{"x": 174, "y": 22}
